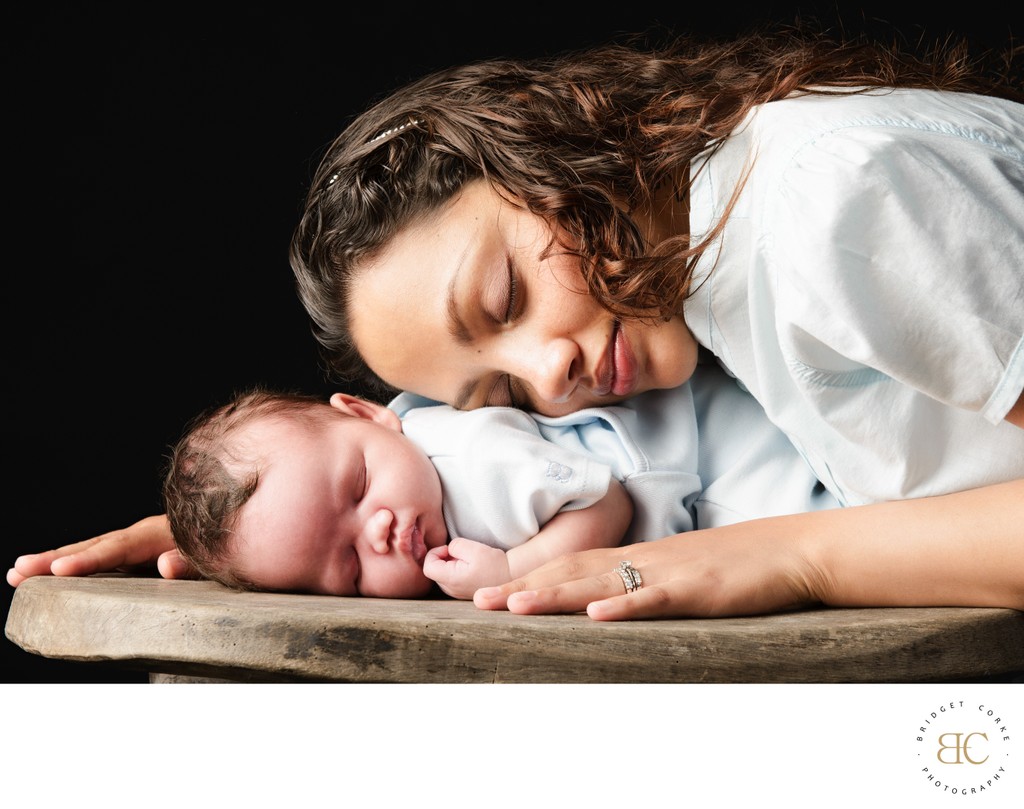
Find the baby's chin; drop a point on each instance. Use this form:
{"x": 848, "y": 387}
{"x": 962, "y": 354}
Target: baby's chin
{"x": 420, "y": 589}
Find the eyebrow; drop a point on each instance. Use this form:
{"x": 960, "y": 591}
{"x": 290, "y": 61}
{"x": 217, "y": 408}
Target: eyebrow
{"x": 460, "y": 332}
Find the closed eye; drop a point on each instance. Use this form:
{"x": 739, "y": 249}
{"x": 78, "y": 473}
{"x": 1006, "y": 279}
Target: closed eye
{"x": 362, "y": 483}
{"x": 509, "y": 304}
{"x": 507, "y": 392}
{"x": 511, "y": 307}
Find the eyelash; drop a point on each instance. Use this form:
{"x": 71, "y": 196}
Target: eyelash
{"x": 514, "y": 401}
{"x": 511, "y": 309}
{"x": 513, "y": 294}
{"x": 362, "y": 485}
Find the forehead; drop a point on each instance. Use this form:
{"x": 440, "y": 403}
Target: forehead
{"x": 416, "y": 265}
{"x": 280, "y": 532}
{"x": 399, "y": 300}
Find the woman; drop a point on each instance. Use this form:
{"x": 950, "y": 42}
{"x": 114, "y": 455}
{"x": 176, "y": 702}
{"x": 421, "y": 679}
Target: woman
{"x": 570, "y": 233}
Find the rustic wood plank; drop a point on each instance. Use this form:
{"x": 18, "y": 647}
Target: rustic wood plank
{"x": 198, "y": 628}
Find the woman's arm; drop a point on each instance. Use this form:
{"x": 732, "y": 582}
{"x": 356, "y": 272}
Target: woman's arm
{"x": 146, "y": 542}
{"x": 963, "y": 549}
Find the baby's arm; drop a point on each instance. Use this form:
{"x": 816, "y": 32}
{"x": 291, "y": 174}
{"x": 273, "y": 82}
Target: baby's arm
{"x": 602, "y": 525}
{"x": 463, "y": 565}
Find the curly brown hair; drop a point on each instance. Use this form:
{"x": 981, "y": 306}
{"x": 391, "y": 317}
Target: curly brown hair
{"x": 580, "y": 139}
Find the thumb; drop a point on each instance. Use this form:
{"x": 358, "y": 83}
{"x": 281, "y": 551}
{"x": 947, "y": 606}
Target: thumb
{"x": 172, "y": 565}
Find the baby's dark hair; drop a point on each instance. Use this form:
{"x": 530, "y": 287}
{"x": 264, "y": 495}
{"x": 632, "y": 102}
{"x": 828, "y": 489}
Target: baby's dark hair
{"x": 202, "y": 495}
{"x": 581, "y": 140}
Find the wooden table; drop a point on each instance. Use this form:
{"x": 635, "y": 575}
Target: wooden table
{"x": 200, "y": 629}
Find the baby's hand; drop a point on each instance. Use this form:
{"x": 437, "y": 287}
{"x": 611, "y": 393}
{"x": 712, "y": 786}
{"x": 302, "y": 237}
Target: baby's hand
{"x": 463, "y": 566}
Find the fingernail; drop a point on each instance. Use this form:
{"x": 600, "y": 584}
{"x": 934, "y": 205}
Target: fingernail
{"x": 488, "y": 592}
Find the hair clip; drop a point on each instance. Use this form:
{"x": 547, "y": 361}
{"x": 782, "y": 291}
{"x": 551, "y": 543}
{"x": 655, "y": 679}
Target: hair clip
{"x": 393, "y": 130}
{"x": 381, "y": 136}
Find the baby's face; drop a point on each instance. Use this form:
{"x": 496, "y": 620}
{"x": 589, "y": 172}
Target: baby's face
{"x": 348, "y": 508}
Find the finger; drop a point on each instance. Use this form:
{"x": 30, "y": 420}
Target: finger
{"x": 440, "y": 553}
{"x": 34, "y": 564}
{"x": 550, "y": 578}
{"x": 14, "y": 578}
{"x": 436, "y": 566}
{"x": 172, "y": 565}
{"x": 573, "y": 596}
{"x": 461, "y": 548}
{"x": 40, "y": 564}
{"x": 647, "y": 602}
{"x": 685, "y": 598}
{"x": 107, "y": 552}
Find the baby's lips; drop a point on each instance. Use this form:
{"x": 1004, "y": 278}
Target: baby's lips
{"x": 418, "y": 546}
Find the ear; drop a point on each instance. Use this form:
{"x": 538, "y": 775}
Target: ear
{"x": 365, "y": 409}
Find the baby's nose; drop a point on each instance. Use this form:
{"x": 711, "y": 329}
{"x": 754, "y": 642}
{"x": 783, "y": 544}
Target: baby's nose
{"x": 379, "y": 529}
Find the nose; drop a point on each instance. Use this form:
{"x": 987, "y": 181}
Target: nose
{"x": 378, "y": 530}
{"x": 552, "y": 367}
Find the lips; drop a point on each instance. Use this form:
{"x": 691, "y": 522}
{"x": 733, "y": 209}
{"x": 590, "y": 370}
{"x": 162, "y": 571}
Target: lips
{"x": 616, "y": 373}
{"x": 623, "y": 364}
{"x": 418, "y": 546}
{"x": 410, "y": 541}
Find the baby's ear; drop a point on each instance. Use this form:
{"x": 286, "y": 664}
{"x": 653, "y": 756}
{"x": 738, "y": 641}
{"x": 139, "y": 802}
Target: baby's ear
{"x": 365, "y": 409}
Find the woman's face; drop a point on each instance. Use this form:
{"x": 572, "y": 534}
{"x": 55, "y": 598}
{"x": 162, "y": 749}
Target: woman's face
{"x": 465, "y": 308}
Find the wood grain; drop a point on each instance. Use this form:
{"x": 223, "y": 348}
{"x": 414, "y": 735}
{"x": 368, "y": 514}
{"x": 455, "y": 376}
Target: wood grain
{"x": 201, "y": 629}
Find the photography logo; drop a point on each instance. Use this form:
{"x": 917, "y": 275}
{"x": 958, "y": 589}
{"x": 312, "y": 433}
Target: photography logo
{"x": 963, "y": 748}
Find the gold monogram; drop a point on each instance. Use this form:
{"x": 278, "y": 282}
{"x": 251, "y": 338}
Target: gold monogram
{"x": 961, "y": 746}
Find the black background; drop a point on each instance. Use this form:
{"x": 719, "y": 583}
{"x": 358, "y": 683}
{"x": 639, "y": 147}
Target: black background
{"x": 156, "y": 162}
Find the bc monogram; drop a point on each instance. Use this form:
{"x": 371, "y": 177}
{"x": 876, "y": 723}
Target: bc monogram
{"x": 962, "y": 747}
{"x": 969, "y": 742}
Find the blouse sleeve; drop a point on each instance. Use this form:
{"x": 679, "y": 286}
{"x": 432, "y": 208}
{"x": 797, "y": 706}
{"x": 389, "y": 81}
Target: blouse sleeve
{"x": 915, "y": 271}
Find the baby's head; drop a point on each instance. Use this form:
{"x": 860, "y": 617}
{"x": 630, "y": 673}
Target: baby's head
{"x": 281, "y": 491}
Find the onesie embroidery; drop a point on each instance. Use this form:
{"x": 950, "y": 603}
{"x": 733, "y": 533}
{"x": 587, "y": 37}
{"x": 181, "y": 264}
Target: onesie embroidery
{"x": 560, "y": 472}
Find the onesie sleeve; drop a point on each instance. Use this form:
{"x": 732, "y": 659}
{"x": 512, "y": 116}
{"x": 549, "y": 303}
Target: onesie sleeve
{"x": 501, "y": 479}
{"x": 900, "y": 251}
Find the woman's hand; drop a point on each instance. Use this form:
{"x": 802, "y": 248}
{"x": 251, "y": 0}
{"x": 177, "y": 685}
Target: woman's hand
{"x": 955, "y": 550}
{"x": 146, "y": 542}
{"x": 704, "y": 573}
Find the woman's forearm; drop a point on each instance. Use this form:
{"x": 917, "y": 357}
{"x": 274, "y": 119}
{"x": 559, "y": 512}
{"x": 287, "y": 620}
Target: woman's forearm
{"x": 963, "y": 549}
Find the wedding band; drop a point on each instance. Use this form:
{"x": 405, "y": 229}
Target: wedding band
{"x": 630, "y": 576}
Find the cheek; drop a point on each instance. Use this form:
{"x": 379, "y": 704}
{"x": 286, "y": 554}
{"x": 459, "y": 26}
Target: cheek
{"x": 386, "y": 578}
{"x": 672, "y": 355}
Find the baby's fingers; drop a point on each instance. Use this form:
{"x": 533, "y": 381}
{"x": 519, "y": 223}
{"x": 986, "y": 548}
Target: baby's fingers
{"x": 437, "y": 564}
